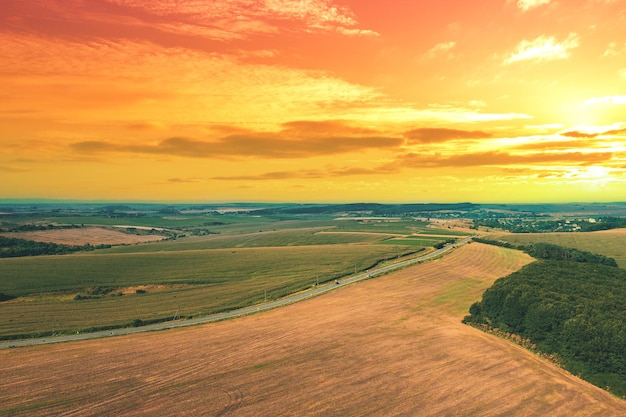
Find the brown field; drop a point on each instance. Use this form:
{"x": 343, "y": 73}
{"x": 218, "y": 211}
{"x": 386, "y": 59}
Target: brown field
{"x": 390, "y": 346}
{"x": 84, "y": 236}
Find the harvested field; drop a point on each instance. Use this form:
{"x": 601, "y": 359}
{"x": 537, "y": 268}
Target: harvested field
{"x": 390, "y": 346}
{"x": 609, "y": 243}
{"x": 84, "y": 236}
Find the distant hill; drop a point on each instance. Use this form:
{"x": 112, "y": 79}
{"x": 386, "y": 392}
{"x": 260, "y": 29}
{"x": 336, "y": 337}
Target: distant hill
{"x": 374, "y": 209}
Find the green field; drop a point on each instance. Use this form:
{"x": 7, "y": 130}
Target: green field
{"x": 413, "y": 241}
{"x": 199, "y": 281}
{"x": 289, "y": 237}
{"x": 607, "y": 243}
{"x": 210, "y": 263}
{"x": 243, "y": 261}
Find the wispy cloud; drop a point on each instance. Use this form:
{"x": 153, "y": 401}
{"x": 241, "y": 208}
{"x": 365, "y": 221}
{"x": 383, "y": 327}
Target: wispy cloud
{"x": 527, "y": 5}
{"x": 552, "y": 145}
{"x": 437, "y": 135}
{"x": 498, "y": 158}
{"x": 579, "y": 134}
{"x": 178, "y": 180}
{"x": 615, "y": 49}
{"x": 442, "y": 49}
{"x": 227, "y": 19}
{"x": 76, "y": 76}
{"x": 607, "y": 100}
{"x": 327, "y": 172}
{"x": 543, "y": 48}
{"x": 295, "y": 140}
{"x": 612, "y": 130}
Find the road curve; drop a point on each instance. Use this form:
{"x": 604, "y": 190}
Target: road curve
{"x": 294, "y": 298}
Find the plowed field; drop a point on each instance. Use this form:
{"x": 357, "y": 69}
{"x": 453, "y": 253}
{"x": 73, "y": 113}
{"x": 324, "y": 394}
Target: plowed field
{"x": 390, "y": 346}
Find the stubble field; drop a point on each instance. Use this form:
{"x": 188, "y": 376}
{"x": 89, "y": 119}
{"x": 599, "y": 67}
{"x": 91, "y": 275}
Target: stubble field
{"x": 609, "y": 243}
{"x": 390, "y": 346}
{"x": 84, "y": 236}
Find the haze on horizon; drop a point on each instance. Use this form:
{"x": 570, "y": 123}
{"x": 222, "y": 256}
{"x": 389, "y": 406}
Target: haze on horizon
{"x": 316, "y": 100}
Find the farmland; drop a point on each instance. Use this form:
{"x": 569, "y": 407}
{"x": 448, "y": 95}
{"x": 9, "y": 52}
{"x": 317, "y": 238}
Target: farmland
{"x": 394, "y": 345}
{"x": 609, "y": 243}
{"x": 389, "y": 346}
{"x": 84, "y": 236}
{"x": 208, "y": 263}
{"x": 196, "y": 281}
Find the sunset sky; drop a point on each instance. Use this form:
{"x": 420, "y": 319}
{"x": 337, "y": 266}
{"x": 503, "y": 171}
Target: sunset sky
{"x": 313, "y": 100}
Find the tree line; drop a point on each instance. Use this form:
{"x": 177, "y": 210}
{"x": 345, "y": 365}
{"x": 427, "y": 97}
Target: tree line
{"x": 570, "y": 309}
{"x": 549, "y": 251}
{"x": 13, "y": 247}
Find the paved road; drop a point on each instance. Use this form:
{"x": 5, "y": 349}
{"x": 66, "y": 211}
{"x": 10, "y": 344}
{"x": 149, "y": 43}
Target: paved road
{"x": 294, "y": 298}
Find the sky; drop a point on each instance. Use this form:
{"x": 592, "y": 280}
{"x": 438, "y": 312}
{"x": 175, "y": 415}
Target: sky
{"x": 313, "y": 100}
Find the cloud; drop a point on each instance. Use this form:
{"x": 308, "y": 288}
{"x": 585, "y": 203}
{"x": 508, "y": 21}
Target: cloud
{"x": 295, "y": 140}
{"x": 615, "y": 132}
{"x": 68, "y": 77}
{"x": 527, "y": 5}
{"x": 497, "y": 158}
{"x": 231, "y": 19}
{"x": 277, "y": 175}
{"x": 615, "y": 49}
{"x": 443, "y": 48}
{"x": 560, "y": 145}
{"x": 438, "y": 135}
{"x": 543, "y": 48}
{"x": 328, "y": 172}
{"x": 607, "y": 101}
{"x": 578, "y": 134}
{"x": 184, "y": 180}
{"x": 515, "y": 163}
{"x": 617, "y": 129}
{"x": 145, "y": 125}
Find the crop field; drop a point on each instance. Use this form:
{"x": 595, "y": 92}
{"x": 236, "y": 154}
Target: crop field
{"x": 280, "y": 237}
{"x": 405, "y": 226}
{"x": 84, "y": 236}
{"x": 417, "y": 240}
{"x": 611, "y": 243}
{"x": 147, "y": 221}
{"x": 71, "y": 293}
{"x": 236, "y": 261}
{"x": 393, "y": 345}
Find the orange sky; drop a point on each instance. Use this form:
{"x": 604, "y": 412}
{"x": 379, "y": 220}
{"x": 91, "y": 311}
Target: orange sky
{"x": 313, "y": 100}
